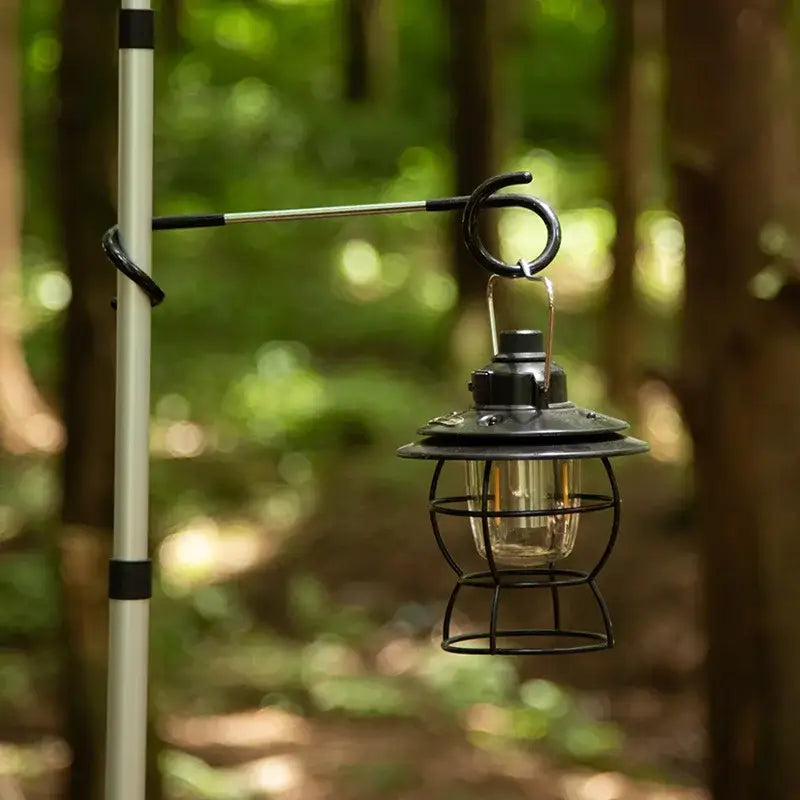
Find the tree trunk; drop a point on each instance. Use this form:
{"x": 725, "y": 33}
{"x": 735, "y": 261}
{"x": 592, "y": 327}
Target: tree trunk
{"x": 625, "y": 162}
{"x": 26, "y": 423}
{"x": 475, "y": 115}
{"x": 85, "y": 129}
{"x": 727, "y": 102}
{"x": 475, "y": 141}
{"x": 369, "y": 49}
{"x": 172, "y": 16}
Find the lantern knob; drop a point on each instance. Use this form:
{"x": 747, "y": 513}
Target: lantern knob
{"x": 516, "y": 375}
{"x": 520, "y": 346}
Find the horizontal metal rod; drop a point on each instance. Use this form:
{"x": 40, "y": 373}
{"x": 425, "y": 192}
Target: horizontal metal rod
{"x": 327, "y": 212}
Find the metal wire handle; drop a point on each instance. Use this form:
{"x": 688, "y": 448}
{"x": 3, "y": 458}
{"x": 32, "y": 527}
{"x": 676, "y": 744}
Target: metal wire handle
{"x": 551, "y": 313}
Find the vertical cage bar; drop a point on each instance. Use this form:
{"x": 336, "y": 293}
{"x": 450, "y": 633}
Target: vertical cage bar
{"x": 612, "y": 539}
{"x": 435, "y": 522}
{"x": 126, "y": 742}
{"x": 448, "y": 613}
{"x": 604, "y": 613}
{"x": 487, "y": 473}
{"x": 556, "y": 601}
{"x": 493, "y": 620}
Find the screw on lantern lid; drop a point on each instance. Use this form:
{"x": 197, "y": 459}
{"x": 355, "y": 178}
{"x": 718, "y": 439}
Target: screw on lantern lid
{"x": 521, "y": 345}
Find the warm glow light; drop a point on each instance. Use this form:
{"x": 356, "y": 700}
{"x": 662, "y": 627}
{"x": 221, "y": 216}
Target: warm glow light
{"x": 53, "y": 290}
{"x": 659, "y": 267}
{"x": 276, "y": 774}
{"x": 184, "y": 439}
{"x": 488, "y": 718}
{"x": 360, "y": 263}
{"x": 267, "y": 726}
{"x": 38, "y": 758}
{"x": 662, "y": 421}
{"x": 44, "y": 432}
{"x": 204, "y": 552}
{"x": 191, "y": 549}
{"x": 603, "y": 786}
{"x": 614, "y": 786}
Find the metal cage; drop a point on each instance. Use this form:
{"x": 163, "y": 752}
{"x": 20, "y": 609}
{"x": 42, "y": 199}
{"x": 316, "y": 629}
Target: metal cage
{"x": 498, "y": 579}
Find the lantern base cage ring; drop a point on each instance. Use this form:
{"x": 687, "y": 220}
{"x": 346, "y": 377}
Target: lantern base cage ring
{"x": 525, "y": 578}
{"x": 594, "y": 641}
{"x": 493, "y": 635}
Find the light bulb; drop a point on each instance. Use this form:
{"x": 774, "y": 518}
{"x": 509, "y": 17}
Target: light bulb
{"x": 526, "y": 486}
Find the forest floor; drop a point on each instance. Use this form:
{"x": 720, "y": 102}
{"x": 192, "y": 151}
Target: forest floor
{"x": 648, "y": 687}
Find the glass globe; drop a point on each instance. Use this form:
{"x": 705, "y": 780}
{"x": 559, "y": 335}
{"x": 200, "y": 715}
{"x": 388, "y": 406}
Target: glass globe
{"x": 526, "y": 486}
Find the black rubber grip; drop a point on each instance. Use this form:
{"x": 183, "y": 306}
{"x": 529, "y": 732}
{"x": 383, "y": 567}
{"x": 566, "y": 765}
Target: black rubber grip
{"x": 136, "y": 29}
{"x": 130, "y": 580}
{"x": 446, "y": 203}
{"x": 188, "y": 221}
{"x": 459, "y": 203}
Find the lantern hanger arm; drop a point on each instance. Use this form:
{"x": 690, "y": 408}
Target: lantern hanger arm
{"x": 458, "y": 203}
{"x": 470, "y": 205}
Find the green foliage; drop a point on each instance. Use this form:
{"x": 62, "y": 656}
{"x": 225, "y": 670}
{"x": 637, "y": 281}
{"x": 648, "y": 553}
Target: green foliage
{"x": 548, "y": 712}
{"x": 28, "y": 604}
{"x": 463, "y": 682}
{"x": 315, "y": 615}
{"x": 362, "y": 696}
{"x": 380, "y": 778}
{"x": 189, "y": 778}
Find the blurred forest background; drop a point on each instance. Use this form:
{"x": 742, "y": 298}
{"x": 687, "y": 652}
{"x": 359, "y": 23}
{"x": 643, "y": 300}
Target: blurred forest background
{"x": 294, "y": 639}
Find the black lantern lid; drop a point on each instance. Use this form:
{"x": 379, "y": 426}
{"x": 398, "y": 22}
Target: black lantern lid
{"x": 518, "y": 415}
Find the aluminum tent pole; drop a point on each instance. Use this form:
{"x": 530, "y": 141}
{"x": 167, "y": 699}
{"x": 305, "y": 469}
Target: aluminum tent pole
{"x": 130, "y": 569}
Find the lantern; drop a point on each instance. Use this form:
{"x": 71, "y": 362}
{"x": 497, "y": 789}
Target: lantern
{"x": 523, "y": 445}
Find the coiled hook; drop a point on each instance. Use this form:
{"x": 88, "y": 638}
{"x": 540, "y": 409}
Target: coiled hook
{"x": 472, "y": 239}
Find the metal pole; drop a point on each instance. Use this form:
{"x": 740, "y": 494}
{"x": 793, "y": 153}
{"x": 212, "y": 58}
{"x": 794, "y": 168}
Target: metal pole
{"x": 129, "y": 573}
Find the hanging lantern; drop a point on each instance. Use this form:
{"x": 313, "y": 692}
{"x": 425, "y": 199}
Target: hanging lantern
{"x": 523, "y": 445}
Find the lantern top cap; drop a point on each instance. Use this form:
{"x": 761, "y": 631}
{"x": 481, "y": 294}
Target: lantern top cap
{"x": 520, "y": 345}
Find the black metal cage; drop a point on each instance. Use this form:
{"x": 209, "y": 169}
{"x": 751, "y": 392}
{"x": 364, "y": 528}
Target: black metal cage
{"x": 499, "y": 580}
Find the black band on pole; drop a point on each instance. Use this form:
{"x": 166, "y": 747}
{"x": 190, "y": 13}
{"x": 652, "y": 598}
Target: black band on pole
{"x": 130, "y": 580}
{"x": 136, "y": 29}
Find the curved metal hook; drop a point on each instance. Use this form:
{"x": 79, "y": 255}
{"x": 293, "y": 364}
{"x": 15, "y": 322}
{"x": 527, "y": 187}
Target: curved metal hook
{"x": 472, "y": 238}
{"x": 116, "y": 254}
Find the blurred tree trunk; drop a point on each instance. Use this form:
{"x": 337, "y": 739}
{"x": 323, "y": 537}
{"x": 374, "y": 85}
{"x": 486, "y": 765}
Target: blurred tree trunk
{"x": 370, "y": 51}
{"x": 476, "y": 124}
{"x": 625, "y": 163}
{"x": 474, "y": 119}
{"x": 172, "y": 14}
{"x": 25, "y": 421}
{"x": 635, "y": 103}
{"x": 85, "y": 130}
{"x": 734, "y": 161}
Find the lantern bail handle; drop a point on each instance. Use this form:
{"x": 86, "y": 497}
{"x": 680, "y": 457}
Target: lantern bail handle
{"x": 551, "y": 312}
{"x": 478, "y": 199}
